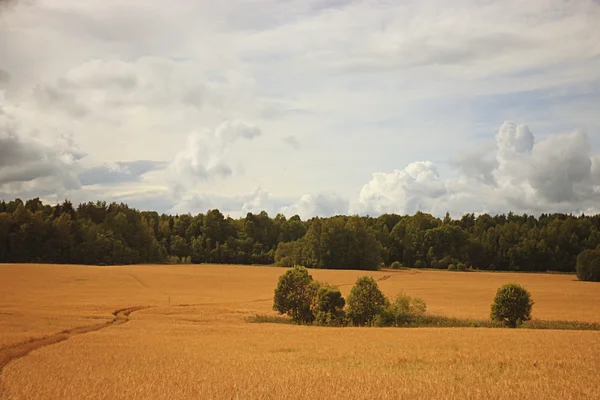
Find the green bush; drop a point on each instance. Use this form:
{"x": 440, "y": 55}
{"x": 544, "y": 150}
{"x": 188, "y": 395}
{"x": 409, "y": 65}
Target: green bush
{"x": 403, "y": 311}
{"x": 365, "y": 302}
{"x": 419, "y": 264}
{"x": 328, "y": 306}
{"x": 512, "y": 305}
{"x": 294, "y": 294}
{"x": 461, "y": 267}
{"x": 396, "y": 265}
{"x": 588, "y": 266}
{"x": 452, "y": 267}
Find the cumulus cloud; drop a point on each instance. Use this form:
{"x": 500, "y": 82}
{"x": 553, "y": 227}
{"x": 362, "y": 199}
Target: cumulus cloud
{"x": 557, "y": 174}
{"x": 321, "y": 205}
{"x": 204, "y": 157}
{"x": 414, "y": 188}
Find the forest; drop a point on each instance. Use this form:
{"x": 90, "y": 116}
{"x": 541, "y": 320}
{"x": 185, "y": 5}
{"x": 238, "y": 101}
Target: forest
{"x": 98, "y": 233}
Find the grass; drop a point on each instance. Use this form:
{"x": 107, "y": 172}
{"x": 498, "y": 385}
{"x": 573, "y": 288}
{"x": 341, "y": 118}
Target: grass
{"x": 436, "y": 321}
{"x": 195, "y": 341}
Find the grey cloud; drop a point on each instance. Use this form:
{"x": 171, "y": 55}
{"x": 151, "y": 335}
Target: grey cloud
{"x": 292, "y": 142}
{"x": 130, "y": 171}
{"x": 561, "y": 167}
{"x": 4, "y": 76}
{"x": 477, "y": 164}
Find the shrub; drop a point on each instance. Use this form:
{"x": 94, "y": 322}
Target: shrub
{"x": 461, "y": 267}
{"x": 294, "y": 294}
{"x": 365, "y": 301}
{"x": 328, "y": 306}
{"x": 419, "y": 264}
{"x": 396, "y": 265}
{"x": 446, "y": 261}
{"x": 588, "y": 266}
{"x": 403, "y": 311}
{"x": 512, "y": 305}
{"x": 452, "y": 267}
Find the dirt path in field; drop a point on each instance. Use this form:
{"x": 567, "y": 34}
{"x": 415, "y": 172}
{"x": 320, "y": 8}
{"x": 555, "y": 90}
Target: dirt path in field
{"x": 10, "y": 353}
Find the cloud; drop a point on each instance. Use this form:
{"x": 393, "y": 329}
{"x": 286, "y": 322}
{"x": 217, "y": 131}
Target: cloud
{"x": 558, "y": 174}
{"x": 27, "y": 160}
{"x": 291, "y": 141}
{"x": 321, "y": 205}
{"x": 561, "y": 167}
{"x": 204, "y": 157}
{"x": 405, "y": 191}
{"x": 120, "y": 172}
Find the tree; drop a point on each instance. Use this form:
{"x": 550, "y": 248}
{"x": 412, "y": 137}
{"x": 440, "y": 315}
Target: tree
{"x": 588, "y": 266}
{"x": 328, "y": 306}
{"x": 404, "y": 310}
{"x": 512, "y": 305}
{"x": 365, "y": 301}
{"x": 294, "y": 295}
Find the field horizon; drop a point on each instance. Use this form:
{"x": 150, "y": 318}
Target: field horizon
{"x": 186, "y": 335}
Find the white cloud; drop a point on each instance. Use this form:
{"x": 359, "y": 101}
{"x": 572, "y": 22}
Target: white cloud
{"x": 205, "y": 156}
{"x": 320, "y": 205}
{"x": 402, "y": 191}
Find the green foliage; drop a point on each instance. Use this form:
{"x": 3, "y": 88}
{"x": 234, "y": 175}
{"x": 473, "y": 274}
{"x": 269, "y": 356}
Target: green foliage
{"x": 103, "y": 233}
{"x": 294, "y": 294}
{"x": 365, "y": 302}
{"x": 404, "y": 310}
{"x": 328, "y": 306}
{"x": 396, "y": 265}
{"x": 588, "y": 265}
{"x": 452, "y": 267}
{"x": 512, "y": 305}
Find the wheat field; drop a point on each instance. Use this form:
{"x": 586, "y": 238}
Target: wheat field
{"x": 180, "y": 332}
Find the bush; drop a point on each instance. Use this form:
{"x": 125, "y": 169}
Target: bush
{"x": 452, "y": 267}
{"x": 588, "y": 266}
{"x": 512, "y": 305}
{"x": 461, "y": 267}
{"x": 419, "y": 264}
{"x": 328, "y": 306}
{"x": 365, "y": 301}
{"x": 294, "y": 294}
{"x": 403, "y": 311}
{"x": 396, "y": 265}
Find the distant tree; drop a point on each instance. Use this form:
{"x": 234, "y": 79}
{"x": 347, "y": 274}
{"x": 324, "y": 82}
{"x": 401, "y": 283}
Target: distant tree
{"x": 294, "y": 295}
{"x": 588, "y": 265}
{"x": 365, "y": 301}
{"x": 512, "y": 305}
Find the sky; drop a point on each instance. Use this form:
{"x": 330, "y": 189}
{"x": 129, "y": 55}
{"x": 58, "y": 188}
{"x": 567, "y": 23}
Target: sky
{"x": 304, "y": 107}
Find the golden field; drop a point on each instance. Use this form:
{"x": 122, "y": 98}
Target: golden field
{"x": 193, "y": 341}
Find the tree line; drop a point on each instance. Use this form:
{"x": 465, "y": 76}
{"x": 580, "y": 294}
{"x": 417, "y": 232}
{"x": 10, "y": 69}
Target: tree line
{"x": 102, "y": 233}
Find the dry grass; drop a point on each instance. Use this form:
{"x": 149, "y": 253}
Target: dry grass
{"x": 195, "y": 342}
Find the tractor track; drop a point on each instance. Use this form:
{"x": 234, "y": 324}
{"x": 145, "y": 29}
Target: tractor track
{"x": 16, "y": 351}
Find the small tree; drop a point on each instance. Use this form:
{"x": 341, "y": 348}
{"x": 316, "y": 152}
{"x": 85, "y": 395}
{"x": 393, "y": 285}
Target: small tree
{"x": 512, "y": 305}
{"x": 365, "y": 301}
{"x": 396, "y": 265}
{"x": 588, "y": 266}
{"x": 294, "y": 294}
{"x": 328, "y": 306}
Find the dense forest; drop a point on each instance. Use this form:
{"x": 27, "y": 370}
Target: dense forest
{"x": 101, "y": 233}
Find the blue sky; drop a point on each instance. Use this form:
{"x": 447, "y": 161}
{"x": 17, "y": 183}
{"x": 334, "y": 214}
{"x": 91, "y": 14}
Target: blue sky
{"x": 303, "y": 106}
